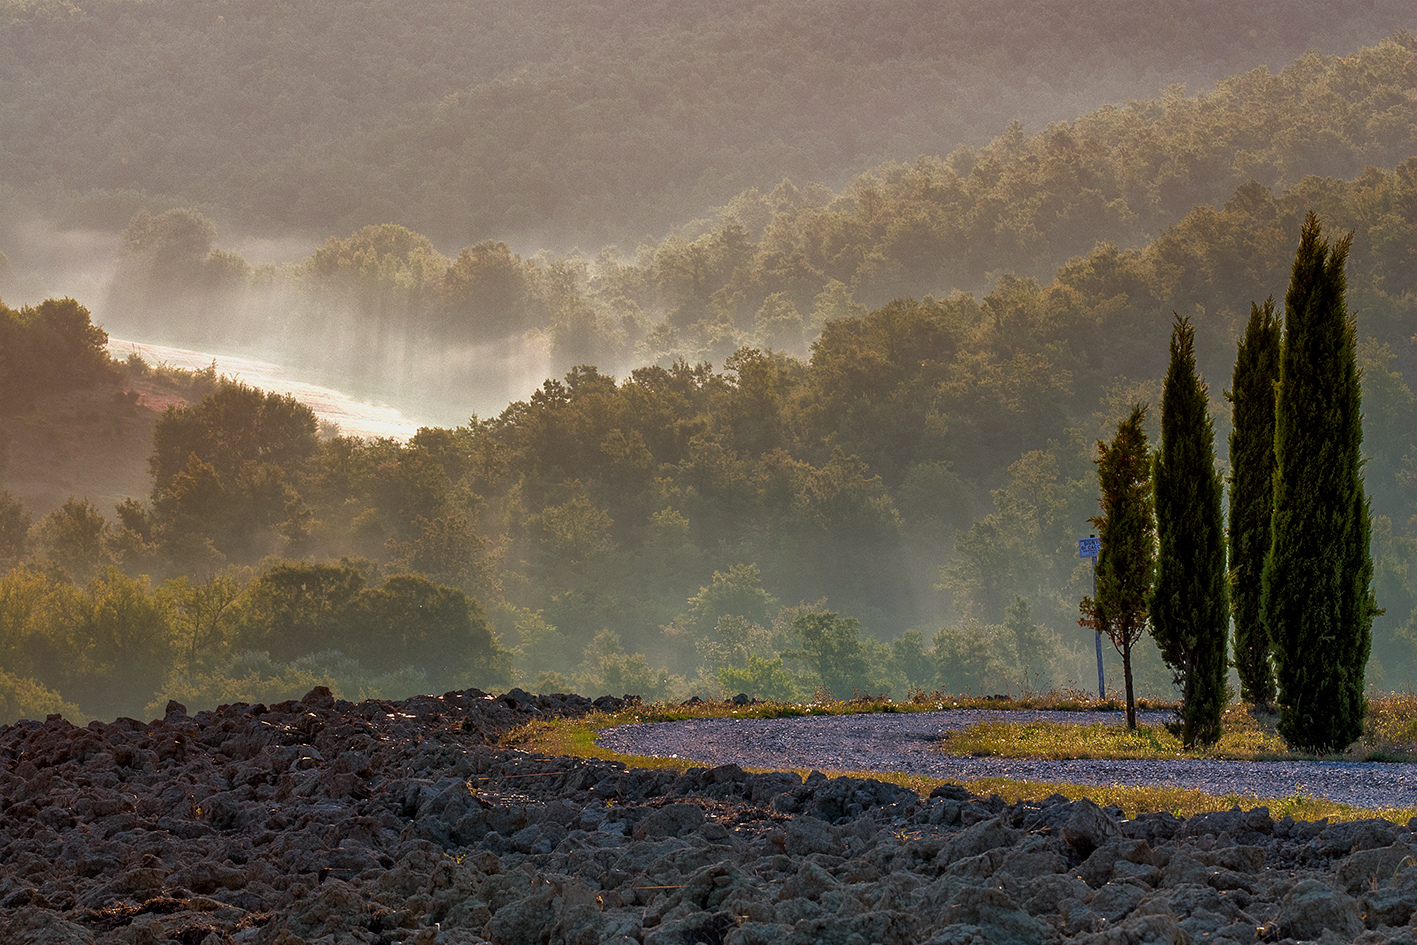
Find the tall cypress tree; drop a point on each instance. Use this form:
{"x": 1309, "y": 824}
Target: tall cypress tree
{"x": 1190, "y": 607}
{"x": 1126, "y": 562}
{"x": 1252, "y": 496}
{"x": 1318, "y": 602}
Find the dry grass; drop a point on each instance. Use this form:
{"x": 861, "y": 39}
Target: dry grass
{"x": 1248, "y": 734}
{"x": 918, "y": 701}
{"x": 1393, "y": 719}
{"x": 1390, "y": 729}
{"x": 1058, "y": 700}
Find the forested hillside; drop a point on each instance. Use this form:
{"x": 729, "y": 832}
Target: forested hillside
{"x": 908, "y": 496}
{"x": 559, "y": 124}
{"x": 384, "y": 308}
{"x": 836, "y": 439}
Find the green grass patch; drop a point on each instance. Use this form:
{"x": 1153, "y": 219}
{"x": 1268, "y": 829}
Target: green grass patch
{"x": 577, "y": 738}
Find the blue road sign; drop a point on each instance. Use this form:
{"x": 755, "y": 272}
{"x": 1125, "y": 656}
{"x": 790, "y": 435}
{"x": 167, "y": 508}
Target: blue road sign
{"x": 1088, "y": 547}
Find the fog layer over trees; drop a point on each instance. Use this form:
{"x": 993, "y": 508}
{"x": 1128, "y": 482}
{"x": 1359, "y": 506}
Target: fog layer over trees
{"x": 442, "y": 336}
{"x": 555, "y": 124}
{"x": 819, "y": 440}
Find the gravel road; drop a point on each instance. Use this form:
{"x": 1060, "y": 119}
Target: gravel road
{"x": 907, "y": 742}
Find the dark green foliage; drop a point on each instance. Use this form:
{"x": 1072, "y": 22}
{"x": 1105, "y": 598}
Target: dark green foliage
{"x": 831, "y": 648}
{"x": 72, "y": 539}
{"x": 1317, "y": 602}
{"x": 483, "y": 295}
{"x": 1126, "y": 563}
{"x": 224, "y": 475}
{"x": 1190, "y": 606}
{"x": 116, "y": 647}
{"x": 910, "y": 666}
{"x": 295, "y": 608}
{"x": 234, "y": 428}
{"x": 1252, "y": 496}
{"x": 48, "y": 349}
{"x": 410, "y": 621}
{"x": 1034, "y": 644}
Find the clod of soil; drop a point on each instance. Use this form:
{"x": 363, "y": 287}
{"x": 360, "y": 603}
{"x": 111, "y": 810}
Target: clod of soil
{"x": 332, "y": 822}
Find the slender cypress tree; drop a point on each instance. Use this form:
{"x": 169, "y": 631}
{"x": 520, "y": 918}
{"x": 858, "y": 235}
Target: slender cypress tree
{"x": 1318, "y": 602}
{"x": 1126, "y": 530}
{"x": 1190, "y": 607}
{"x": 1252, "y": 496}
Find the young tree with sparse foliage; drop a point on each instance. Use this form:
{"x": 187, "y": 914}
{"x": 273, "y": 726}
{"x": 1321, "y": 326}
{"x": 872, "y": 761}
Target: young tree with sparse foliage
{"x": 1252, "y": 496}
{"x": 1126, "y": 529}
{"x": 1318, "y": 603}
{"x": 1190, "y": 606}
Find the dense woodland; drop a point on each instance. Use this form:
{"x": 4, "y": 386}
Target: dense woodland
{"x": 450, "y": 335}
{"x": 837, "y": 441}
{"x": 566, "y": 123}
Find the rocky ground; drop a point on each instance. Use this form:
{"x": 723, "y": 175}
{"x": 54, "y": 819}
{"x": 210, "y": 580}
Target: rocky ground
{"x": 331, "y": 822}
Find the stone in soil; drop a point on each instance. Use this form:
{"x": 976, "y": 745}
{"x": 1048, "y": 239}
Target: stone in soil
{"x": 381, "y": 822}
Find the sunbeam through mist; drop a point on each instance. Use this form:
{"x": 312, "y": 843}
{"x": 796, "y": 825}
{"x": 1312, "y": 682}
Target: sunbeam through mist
{"x": 354, "y": 417}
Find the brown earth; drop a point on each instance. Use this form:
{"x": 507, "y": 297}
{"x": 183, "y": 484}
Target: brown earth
{"x": 327, "y": 821}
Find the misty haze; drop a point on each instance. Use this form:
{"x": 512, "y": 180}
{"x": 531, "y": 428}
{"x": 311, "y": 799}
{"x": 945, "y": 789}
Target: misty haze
{"x": 414, "y": 408}
{"x": 624, "y": 348}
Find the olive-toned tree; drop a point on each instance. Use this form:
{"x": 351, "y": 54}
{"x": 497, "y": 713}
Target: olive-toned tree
{"x": 1126, "y": 562}
{"x": 831, "y": 648}
{"x": 410, "y": 621}
{"x": 1318, "y": 601}
{"x": 1190, "y": 606}
{"x": 1252, "y": 496}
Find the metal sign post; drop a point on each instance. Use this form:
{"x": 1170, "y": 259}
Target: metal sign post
{"x": 1088, "y": 548}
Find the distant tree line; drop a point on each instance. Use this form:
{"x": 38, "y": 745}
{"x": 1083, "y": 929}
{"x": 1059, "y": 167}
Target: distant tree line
{"x": 917, "y": 470}
{"x": 773, "y": 265}
{"x": 613, "y": 119}
{"x": 595, "y": 504}
{"x": 115, "y": 645}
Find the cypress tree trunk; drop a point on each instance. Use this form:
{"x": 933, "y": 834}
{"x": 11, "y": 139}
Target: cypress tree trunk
{"x": 1127, "y": 676}
{"x": 1318, "y": 602}
{"x": 1252, "y": 496}
{"x": 1190, "y": 607}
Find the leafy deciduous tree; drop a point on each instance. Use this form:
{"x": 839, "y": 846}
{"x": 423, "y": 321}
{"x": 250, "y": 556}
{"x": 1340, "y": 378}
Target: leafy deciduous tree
{"x": 296, "y": 609}
{"x": 831, "y": 646}
{"x": 72, "y": 537}
{"x": 1126, "y": 564}
{"x": 439, "y": 630}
